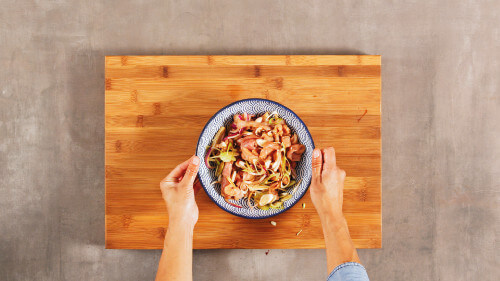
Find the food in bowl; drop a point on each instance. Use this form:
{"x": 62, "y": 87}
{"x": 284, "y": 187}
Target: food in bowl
{"x": 256, "y": 160}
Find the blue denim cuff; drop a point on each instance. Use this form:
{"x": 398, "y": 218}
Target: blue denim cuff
{"x": 349, "y": 271}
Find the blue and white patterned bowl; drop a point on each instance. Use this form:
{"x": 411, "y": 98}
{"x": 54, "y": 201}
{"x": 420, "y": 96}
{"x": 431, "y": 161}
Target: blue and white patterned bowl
{"x": 223, "y": 118}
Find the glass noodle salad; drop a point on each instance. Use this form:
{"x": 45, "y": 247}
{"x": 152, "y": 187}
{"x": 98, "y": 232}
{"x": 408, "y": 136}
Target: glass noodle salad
{"x": 256, "y": 160}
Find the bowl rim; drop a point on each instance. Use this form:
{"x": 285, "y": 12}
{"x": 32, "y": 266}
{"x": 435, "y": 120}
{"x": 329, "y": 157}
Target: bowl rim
{"x": 203, "y": 131}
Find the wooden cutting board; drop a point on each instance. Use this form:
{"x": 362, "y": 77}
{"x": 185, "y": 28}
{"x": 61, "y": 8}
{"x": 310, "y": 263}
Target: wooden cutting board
{"x": 156, "y": 107}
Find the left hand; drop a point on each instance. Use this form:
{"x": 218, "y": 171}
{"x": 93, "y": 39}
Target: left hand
{"x": 178, "y": 190}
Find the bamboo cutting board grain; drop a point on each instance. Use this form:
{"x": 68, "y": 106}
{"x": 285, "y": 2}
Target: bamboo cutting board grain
{"x": 156, "y": 107}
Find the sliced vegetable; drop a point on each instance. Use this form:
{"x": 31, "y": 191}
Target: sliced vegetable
{"x": 219, "y": 136}
{"x": 233, "y": 177}
{"x": 249, "y": 202}
{"x": 265, "y": 116}
{"x": 266, "y": 199}
{"x": 228, "y": 156}
{"x": 292, "y": 182}
{"x": 295, "y": 188}
{"x": 220, "y": 167}
{"x": 258, "y": 187}
{"x": 265, "y": 208}
{"x": 275, "y": 120}
{"x": 277, "y": 163}
{"x": 231, "y": 182}
{"x": 207, "y": 162}
{"x": 276, "y": 205}
{"x": 274, "y": 113}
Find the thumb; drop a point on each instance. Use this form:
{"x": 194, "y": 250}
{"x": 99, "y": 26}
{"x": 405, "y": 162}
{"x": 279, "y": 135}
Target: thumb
{"x": 191, "y": 171}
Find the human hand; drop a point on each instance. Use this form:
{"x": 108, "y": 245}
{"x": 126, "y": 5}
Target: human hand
{"x": 327, "y": 184}
{"x": 327, "y": 196}
{"x": 178, "y": 190}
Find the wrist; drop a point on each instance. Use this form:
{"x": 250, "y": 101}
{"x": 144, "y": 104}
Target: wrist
{"x": 328, "y": 212}
{"x": 182, "y": 219}
{"x": 332, "y": 220}
{"x": 177, "y": 233}
{"x": 180, "y": 225}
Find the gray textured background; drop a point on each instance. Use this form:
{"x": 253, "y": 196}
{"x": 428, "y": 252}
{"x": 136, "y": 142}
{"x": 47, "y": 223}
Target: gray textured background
{"x": 441, "y": 141}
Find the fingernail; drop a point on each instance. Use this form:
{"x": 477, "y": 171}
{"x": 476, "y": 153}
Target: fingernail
{"x": 316, "y": 153}
{"x": 196, "y": 160}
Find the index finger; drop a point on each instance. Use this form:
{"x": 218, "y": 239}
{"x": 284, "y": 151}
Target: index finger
{"x": 177, "y": 172}
{"x": 317, "y": 163}
{"x": 330, "y": 162}
{"x": 191, "y": 171}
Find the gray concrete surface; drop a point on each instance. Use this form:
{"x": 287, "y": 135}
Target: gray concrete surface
{"x": 441, "y": 125}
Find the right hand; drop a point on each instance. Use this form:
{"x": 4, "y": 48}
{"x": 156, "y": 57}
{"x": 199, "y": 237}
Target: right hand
{"x": 327, "y": 184}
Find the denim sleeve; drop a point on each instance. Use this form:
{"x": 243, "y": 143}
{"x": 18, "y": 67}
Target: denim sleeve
{"x": 349, "y": 271}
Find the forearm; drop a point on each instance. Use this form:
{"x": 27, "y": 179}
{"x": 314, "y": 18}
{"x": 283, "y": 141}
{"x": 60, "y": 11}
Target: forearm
{"x": 177, "y": 257}
{"x": 339, "y": 246}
